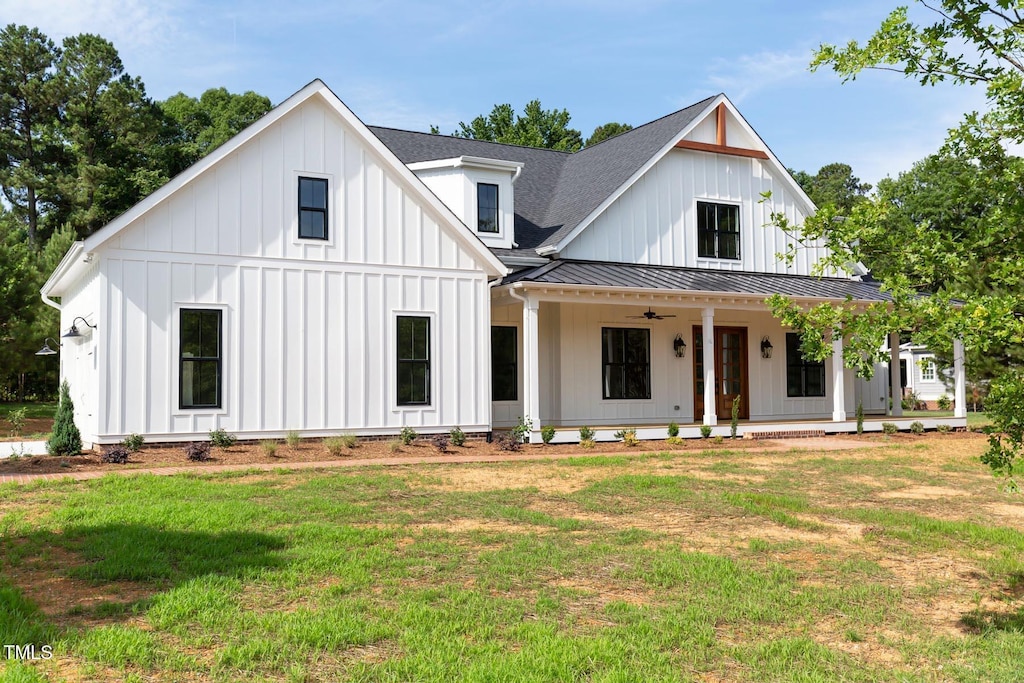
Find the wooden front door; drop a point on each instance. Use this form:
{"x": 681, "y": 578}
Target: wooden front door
{"x": 730, "y": 372}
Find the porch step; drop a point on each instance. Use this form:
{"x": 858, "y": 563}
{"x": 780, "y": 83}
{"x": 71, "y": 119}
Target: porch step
{"x": 786, "y": 434}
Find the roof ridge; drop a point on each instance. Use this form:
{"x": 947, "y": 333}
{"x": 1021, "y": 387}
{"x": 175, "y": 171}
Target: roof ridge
{"x": 487, "y": 142}
{"x": 643, "y": 125}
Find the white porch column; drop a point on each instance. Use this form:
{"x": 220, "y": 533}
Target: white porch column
{"x": 838, "y": 375}
{"x": 960, "y": 380}
{"x": 895, "y": 390}
{"x": 531, "y": 365}
{"x": 708, "y": 322}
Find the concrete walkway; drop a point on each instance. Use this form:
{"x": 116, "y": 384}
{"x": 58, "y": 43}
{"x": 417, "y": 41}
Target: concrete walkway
{"x": 776, "y": 446}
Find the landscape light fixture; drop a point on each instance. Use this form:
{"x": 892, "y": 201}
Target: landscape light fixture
{"x": 766, "y": 347}
{"x": 73, "y": 332}
{"x": 46, "y": 350}
{"x": 679, "y": 346}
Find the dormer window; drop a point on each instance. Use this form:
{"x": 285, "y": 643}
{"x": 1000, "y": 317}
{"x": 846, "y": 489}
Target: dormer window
{"x": 486, "y": 207}
{"x": 313, "y": 208}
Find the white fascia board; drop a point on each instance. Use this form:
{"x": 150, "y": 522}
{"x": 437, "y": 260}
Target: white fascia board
{"x": 790, "y": 182}
{"x": 524, "y": 260}
{"x": 66, "y": 265}
{"x": 470, "y": 162}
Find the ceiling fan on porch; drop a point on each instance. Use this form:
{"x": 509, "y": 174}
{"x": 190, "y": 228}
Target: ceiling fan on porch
{"x": 650, "y": 315}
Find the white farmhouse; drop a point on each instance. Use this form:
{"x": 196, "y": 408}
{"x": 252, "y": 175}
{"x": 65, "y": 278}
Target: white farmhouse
{"x": 318, "y": 275}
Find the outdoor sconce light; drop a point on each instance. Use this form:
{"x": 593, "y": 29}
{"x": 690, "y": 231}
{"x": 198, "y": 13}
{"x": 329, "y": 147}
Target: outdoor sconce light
{"x": 46, "y": 350}
{"x": 679, "y": 346}
{"x": 73, "y": 332}
{"x": 766, "y": 347}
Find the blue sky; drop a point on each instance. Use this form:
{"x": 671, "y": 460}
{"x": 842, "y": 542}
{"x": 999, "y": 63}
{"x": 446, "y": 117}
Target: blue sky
{"x": 412, "y": 64}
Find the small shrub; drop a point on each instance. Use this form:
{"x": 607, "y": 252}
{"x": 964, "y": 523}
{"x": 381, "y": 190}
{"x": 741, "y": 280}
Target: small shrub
{"x": 349, "y": 440}
{"x": 734, "y": 422}
{"x": 508, "y": 441}
{"x": 395, "y": 446}
{"x": 222, "y": 439}
{"x": 198, "y": 451}
{"x": 917, "y": 427}
{"x": 65, "y": 438}
{"x": 547, "y": 433}
{"x": 860, "y": 417}
{"x": 407, "y": 435}
{"x": 587, "y": 443}
{"x": 586, "y": 434}
{"x": 889, "y": 428}
{"x": 943, "y": 429}
{"x": 269, "y": 448}
{"x": 133, "y": 442}
{"x": 705, "y": 431}
{"x": 117, "y": 455}
{"x": 673, "y": 429}
{"x": 674, "y": 440}
{"x": 17, "y": 419}
{"x": 944, "y": 402}
{"x": 628, "y": 437}
{"x": 335, "y": 446}
{"x": 522, "y": 430}
{"x": 440, "y": 442}
{"x": 458, "y": 437}
{"x": 292, "y": 438}
{"x": 719, "y": 439}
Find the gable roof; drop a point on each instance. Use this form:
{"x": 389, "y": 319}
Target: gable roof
{"x": 559, "y": 193}
{"x": 316, "y": 88}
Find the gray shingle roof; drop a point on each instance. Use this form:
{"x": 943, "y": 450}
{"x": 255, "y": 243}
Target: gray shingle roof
{"x": 556, "y": 190}
{"x": 600, "y": 274}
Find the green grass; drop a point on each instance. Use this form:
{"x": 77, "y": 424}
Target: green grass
{"x": 628, "y": 570}
{"x": 973, "y": 419}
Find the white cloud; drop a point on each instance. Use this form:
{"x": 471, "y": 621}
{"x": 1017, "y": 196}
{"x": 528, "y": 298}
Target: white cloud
{"x": 129, "y": 24}
{"x": 748, "y": 74}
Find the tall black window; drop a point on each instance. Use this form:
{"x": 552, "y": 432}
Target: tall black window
{"x": 504, "y": 368}
{"x": 486, "y": 207}
{"x": 413, "y": 360}
{"x": 313, "y": 208}
{"x": 803, "y": 377}
{"x": 625, "y": 363}
{"x": 718, "y": 230}
{"x": 199, "y": 346}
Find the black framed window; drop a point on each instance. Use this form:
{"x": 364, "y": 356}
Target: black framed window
{"x": 504, "y": 365}
{"x": 200, "y": 348}
{"x": 718, "y": 230}
{"x": 413, "y": 360}
{"x": 625, "y": 363}
{"x": 803, "y": 377}
{"x": 313, "y": 208}
{"x": 486, "y": 207}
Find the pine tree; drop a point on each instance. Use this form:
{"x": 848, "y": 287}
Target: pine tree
{"x": 65, "y": 439}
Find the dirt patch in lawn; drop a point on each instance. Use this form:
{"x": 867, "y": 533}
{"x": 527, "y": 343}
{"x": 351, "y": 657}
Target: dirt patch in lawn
{"x": 924, "y": 493}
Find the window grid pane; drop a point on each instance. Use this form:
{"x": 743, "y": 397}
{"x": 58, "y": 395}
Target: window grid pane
{"x": 804, "y": 378}
{"x": 626, "y": 367}
{"x": 313, "y": 208}
{"x": 413, "y": 350}
{"x": 487, "y": 207}
{"x": 718, "y": 230}
{"x": 504, "y": 366}
{"x": 200, "y": 358}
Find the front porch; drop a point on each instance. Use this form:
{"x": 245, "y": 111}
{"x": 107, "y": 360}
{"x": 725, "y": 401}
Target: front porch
{"x": 649, "y": 346}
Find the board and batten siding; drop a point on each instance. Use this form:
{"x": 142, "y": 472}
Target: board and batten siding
{"x": 654, "y": 222}
{"x": 309, "y": 326}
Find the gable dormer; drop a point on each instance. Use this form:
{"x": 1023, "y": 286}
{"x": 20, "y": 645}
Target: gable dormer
{"x": 479, "y": 191}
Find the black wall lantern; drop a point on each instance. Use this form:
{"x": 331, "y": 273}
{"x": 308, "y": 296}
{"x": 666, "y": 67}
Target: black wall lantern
{"x": 766, "y": 347}
{"x": 73, "y": 332}
{"x": 679, "y": 346}
{"x": 46, "y": 350}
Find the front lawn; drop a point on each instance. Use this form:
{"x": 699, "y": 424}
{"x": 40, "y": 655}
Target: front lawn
{"x": 895, "y": 563}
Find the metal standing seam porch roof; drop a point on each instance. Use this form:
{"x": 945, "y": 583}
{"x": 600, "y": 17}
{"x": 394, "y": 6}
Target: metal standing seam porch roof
{"x": 627, "y": 275}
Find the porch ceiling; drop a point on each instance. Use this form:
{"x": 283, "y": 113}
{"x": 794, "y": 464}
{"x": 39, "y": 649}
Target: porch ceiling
{"x": 619, "y": 276}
